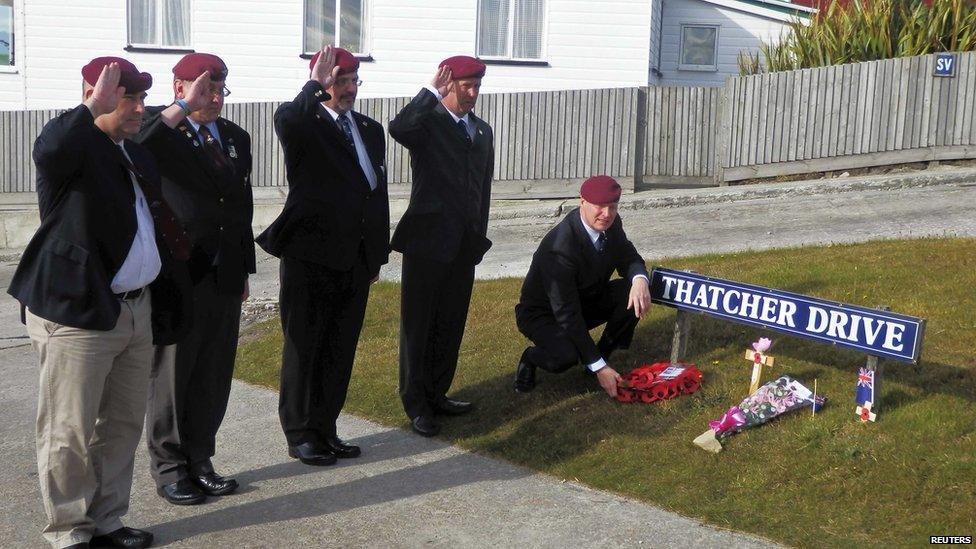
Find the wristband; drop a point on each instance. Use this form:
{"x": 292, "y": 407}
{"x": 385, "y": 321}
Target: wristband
{"x": 183, "y": 105}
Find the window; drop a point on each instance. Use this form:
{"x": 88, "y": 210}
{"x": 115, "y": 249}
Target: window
{"x": 510, "y": 29}
{"x": 159, "y": 23}
{"x": 698, "y": 48}
{"x": 6, "y": 33}
{"x": 321, "y": 28}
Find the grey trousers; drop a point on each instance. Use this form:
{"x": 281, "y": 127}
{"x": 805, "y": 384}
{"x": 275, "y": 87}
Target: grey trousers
{"x": 91, "y": 404}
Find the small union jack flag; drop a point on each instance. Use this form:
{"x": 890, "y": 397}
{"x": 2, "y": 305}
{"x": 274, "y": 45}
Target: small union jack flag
{"x": 865, "y": 386}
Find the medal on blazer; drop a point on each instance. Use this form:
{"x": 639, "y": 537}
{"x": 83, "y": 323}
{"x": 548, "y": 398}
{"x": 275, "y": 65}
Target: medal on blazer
{"x": 230, "y": 148}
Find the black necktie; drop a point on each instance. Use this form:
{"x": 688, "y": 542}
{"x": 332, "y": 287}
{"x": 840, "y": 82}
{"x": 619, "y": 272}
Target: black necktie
{"x": 464, "y": 131}
{"x": 601, "y": 242}
{"x": 214, "y": 151}
{"x": 163, "y": 217}
{"x": 346, "y": 129}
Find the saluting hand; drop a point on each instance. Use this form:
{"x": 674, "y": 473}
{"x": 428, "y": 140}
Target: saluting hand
{"x": 325, "y": 70}
{"x": 198, "y": 94}
{"x": 107, "y": 93}
{"x": 640, "y": 297}
{"x": 442, "y": 80}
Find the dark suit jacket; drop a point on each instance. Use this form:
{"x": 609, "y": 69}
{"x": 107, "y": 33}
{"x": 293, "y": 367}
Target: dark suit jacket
{"x": 88, "y": 223}
{"x": 330, "y": 208}
{"x": 215, "y": 206}
{"x": 566, "y": 272}
{"x": 451, "y": 192}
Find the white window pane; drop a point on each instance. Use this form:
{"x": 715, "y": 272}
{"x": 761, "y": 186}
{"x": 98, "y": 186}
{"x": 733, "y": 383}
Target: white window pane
{"x": 528, "y": 29}
{"x": 176, "y": 23}
{"x": 319, "y": 24}
{"x": 351, "y": 25}
{"x": 493, "y": 28}
{"x": 698, "y": 46}
{"x": 6, "y": 33}
{"x": 142, "y": 22}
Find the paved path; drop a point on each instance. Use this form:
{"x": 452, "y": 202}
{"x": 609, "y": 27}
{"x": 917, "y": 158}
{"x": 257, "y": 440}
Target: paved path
{"x": 407, "y": 491}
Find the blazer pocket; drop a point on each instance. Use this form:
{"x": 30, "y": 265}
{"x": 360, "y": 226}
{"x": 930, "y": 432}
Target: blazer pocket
{"x": 67, "y": 250}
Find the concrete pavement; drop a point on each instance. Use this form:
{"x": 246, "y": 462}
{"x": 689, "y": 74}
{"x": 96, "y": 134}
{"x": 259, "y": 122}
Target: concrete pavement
{"x": 407, "y": 491}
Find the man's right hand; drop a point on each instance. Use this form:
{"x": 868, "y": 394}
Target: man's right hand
{"x": 198, "y": 95}
{"x": 442, "y": 80}
{"x": 608, "y": 378}
{"x": 325, "y": 70}
{"x": 107, "y": 93}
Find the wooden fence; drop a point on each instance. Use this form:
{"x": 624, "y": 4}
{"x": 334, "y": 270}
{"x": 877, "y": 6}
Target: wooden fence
{"x": 812, "y": 120}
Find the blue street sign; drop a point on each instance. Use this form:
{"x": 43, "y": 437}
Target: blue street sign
{"x": 945, "y": 64}
{"x": 875, "y": 332}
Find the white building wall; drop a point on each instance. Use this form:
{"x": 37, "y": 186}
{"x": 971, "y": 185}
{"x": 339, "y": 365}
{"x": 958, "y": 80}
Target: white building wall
{"x": 12, "y": 78}
{"x": 588, "y": 44}
{"x": 739, "y": 30}
{"x": 654, "y": 60}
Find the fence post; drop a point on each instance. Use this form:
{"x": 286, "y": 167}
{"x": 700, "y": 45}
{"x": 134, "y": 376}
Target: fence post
{"x": 722, "y": 127}
{"x": 640, "y": 141}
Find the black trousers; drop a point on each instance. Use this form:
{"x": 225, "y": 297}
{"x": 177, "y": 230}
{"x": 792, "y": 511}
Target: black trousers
{"x": 190, "y": 385}
{"x": 555, "y": 352}
{"x": 322, "y": 314}
{"x": 434, "y": 299}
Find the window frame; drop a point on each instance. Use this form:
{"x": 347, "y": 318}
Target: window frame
{"x": 141, "y": 47}
{"x": 364, "y": 24}
{"x": 681, "y": 46}
{"x": 15, "y": 23}
{"x": 509, "y": 59}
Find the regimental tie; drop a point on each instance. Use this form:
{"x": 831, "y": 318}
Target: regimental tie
{"x": 214, "y": 151}
{"x": 163, "y": 217}
{"x": 346, "y": 129}
{"x": 464, "y": 130}
{"x": 601, "y": 242}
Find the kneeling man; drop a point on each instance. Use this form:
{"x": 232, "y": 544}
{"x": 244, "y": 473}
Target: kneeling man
{"x": 568, "y": 291}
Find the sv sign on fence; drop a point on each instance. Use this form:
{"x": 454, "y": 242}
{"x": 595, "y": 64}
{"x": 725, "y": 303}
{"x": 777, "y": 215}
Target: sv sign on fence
{"x": 945, "y": 64}
{"x": 875, "y": 332}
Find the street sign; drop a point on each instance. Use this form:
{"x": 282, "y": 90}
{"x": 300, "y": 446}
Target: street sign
{"x": 945, "y": 65}
{"x": 871, "y": 331}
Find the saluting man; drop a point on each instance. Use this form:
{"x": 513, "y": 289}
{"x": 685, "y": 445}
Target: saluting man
{"x": 332, "y": 237}
{"x": 102, "y": 279}
{"x": 568, "y": 291}
{"x": 205, "y": 163}
{"x": 442, "y": 235}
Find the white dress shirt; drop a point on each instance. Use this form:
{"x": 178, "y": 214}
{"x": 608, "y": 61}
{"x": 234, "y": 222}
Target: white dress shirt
{"x": 142, "y": 264}
{"x": 594, "y": 236}
{"x": 364, "y": 161}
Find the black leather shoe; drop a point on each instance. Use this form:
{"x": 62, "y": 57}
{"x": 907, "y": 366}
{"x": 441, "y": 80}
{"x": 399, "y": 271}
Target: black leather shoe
{"x": 451, "y": 407}
{"x": 340, "y": 449}
{"x": 311, "y": 454}
{"x": 425, "y": 426}
{"x": 524, "y": 376}
{"x": 182, "y": 492}
{"x": 123, "y": 537}
{"x": 212, "y": 484}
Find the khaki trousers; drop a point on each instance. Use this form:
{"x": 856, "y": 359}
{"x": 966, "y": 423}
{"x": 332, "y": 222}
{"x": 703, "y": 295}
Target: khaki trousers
{"x": 90, "y": 410}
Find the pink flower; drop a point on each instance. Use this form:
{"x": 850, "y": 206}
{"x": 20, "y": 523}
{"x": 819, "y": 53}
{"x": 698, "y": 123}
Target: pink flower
{"x": 762, "y": 345}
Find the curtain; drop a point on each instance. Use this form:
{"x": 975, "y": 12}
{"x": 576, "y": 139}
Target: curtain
{"x": 698, "y": 46}
{"x": 142, "y": 22}
{"x": 176, "y": 23}
{"x": 351, "y": 25}
{"x": 320, "y": 24}
{"x": 528, "y": 29}
{"x": 493, "y": 28}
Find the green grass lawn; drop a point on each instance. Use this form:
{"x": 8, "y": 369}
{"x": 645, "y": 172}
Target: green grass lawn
{"x": 824, "y": 481}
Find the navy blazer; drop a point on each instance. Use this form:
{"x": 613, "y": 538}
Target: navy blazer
{"x": 88, "y": 223}
{"x": 330, "y": 209}
{"x": 451, "y": 191}
{"x": 566, "y": 271}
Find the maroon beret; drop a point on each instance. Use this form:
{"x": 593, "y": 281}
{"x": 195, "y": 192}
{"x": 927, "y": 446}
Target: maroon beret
{"x": 463, "y": 66}
{"x": 346, "y": 61}
{"x": 131, "y": 79}
{"x": 600, "y": 189}
{"x": 192, "y": 65}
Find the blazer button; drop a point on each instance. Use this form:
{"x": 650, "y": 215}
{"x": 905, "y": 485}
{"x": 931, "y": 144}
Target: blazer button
{"x": 221, "y": 227}
{"x": 221, "y": 200}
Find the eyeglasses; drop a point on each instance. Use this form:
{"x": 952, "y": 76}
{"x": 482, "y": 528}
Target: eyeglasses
{"x": 343, "y": 82}
{"x": 222, "y": 91}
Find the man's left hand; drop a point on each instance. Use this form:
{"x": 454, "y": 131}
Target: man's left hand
{"x": 640, "y": 297}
